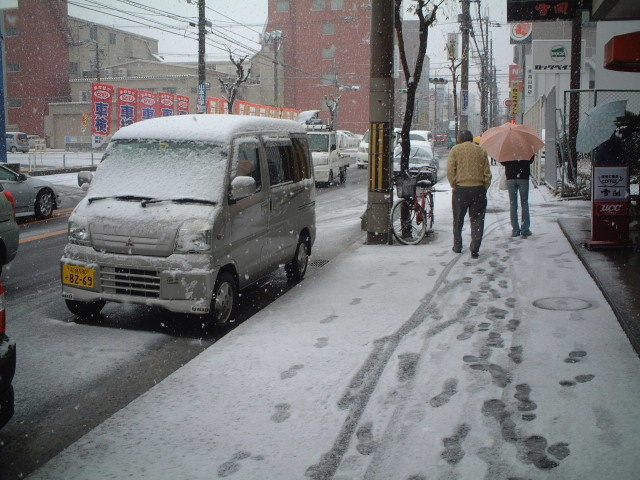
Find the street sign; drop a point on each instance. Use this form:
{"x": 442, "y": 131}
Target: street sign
{"x": 508, "y": 102}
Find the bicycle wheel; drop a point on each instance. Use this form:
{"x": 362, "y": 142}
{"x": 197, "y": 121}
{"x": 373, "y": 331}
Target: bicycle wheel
{"x": 428, "y": 212}
{"x": 408, "y": 222}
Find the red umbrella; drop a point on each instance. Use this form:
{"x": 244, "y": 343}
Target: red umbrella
{"x": 511, "y": 142}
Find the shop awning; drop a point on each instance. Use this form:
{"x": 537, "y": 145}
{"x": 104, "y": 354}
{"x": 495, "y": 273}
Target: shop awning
{"x": 621, "y": 53}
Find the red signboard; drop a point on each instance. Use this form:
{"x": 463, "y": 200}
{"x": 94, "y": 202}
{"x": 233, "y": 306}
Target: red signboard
{"x": 540, "y": 10}
{"x": 127, "y": 105}
{"x": 167, "y": 104}
{"x": 183, "y": 105}
{"x": 610, "y": 206}
{"x": 147, "y": 105}
{"x": 101, "y": 106}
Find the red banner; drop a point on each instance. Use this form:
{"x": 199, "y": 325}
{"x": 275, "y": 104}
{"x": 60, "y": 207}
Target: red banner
{"x": 147, "y": 105}
{"x": 167, "y": 104}
{"x": 183, "y": 105}
{"x": 127, "y": 106}
{"x": 102, "y": 106}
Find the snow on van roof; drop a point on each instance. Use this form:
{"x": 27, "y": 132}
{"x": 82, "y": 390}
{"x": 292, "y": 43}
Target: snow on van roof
{"x": 208, "y": 127}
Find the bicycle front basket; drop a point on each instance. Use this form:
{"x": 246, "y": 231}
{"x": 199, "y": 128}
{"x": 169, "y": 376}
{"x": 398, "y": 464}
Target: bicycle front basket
{"x": 406, "y": 186}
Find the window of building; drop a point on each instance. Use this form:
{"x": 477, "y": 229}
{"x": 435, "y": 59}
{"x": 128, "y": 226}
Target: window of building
{"x": 319, "y": 5}
{"x": 337, "y": 4}
{"x": 14, "y": 103}
{"x": 194, "y": 90}
{"x": 328, "y": 53}
{"x": 13, "y": 67}
{"x": 112, "y": 39}
{"x": 11, "y": 32}
{"x": 170, "y": 90}
{"x": 328, "y": 29}
{"x": 86, "y": 96}
{"x": 93, "y": 32}
{"x": 73, "y": 68}
{"x": 282, "y": 7}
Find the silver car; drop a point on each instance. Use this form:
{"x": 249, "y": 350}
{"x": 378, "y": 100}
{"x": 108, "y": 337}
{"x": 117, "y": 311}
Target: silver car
{"x": 32, "y": 196}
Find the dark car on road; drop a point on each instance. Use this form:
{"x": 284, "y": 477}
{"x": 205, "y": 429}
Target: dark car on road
{"x": 422, "y": 163}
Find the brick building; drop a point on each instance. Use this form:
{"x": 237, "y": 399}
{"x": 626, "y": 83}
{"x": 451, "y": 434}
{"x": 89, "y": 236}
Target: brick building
{"x": 36, "y": 46}
{"x": 325, "y": 51}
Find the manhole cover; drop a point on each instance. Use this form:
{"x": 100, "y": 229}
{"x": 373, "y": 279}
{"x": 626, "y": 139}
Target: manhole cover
{"x": 562, "y": 303}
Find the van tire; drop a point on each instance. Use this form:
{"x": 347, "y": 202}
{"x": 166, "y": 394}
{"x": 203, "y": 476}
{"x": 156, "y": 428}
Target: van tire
{"x": 225, "y": 297}
{"x": 85, "y": 309}
{"x": 14, "y": 149}
{"x": 297, "y": 268}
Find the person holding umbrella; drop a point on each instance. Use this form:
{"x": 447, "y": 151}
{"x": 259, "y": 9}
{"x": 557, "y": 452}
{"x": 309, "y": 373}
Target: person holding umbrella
{"x": 517, "y": 173}
{"x": 469, "y": 175}
{"x": 510, "y": 144}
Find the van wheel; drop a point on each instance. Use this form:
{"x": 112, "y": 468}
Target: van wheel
{"x": 14, "y": 149}
{"x": 85, "y": 309}
{"x": 44, "y": 204}
{"x": 298, "y": 266}
{"x": 224, "y": 299}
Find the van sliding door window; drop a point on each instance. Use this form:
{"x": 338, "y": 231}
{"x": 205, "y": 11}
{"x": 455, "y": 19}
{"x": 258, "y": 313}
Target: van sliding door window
{"x": 288, "y": 160}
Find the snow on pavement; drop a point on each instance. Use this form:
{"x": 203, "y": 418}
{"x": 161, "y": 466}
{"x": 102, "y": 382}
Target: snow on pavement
{"x": 400, "y": 362}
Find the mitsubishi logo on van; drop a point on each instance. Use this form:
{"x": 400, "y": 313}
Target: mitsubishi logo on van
{"x": 129, "y": 242}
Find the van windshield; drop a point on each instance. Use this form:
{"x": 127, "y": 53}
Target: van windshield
{"x": 161, "y": 169}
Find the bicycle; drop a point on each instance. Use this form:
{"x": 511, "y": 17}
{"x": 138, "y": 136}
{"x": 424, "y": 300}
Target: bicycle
{"x": 412, "y": 215}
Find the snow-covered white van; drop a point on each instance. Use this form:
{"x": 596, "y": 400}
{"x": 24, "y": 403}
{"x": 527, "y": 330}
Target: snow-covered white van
{"x": 185, "y": 211}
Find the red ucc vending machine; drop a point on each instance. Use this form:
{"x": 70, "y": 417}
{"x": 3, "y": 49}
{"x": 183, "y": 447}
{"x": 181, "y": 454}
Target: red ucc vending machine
{"x": 609, "y": 206}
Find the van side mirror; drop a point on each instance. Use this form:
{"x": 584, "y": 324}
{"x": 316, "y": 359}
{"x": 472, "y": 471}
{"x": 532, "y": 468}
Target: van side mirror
{"x": 84, "y": 177}
{"x": 333, "y": 147}
{"x": 241, "y": 187}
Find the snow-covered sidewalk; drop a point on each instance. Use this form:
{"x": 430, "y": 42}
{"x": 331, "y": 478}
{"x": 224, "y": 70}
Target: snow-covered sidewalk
{"x": 400, "y": 362}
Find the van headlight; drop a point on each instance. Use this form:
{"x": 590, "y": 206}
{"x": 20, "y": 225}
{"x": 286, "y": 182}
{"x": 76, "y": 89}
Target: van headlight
{"x": 79, "y": 233}
{"x": 193, "y": 237}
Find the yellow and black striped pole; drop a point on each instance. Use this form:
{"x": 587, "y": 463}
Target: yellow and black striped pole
{"x": 380, "y": 196}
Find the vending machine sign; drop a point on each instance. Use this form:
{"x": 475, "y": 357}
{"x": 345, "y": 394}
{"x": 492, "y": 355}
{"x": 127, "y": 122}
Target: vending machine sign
{"x": 610, "y": 206}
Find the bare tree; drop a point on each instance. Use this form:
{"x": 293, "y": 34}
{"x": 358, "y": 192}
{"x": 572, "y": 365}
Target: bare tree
{"x": 453, "y": 67}
{"x": 425, "y": 10}
{"x": 231, "y": 88}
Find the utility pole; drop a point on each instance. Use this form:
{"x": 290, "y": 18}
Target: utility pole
{"x": 574, "y": 84}
{"x": 464, "y": 71}
{"x": 202, "y": 77}
{"x": 376, "y": 217}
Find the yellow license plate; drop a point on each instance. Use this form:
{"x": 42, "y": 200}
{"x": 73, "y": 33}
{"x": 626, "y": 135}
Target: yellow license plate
{"x": 78, "y": 276}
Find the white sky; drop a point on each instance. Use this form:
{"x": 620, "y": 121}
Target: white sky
{"x": 243, "y": 20}
{"x": 398, "y": 362}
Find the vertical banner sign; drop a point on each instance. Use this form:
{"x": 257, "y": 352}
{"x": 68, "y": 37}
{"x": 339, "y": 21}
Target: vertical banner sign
{"x": 147, "y": 105}
{"x": 452, "y": 45}
{"x": 610, "y": 206}
{"x": 515, "y": 99}
{"x": 127, "y": 105}
{"x": 167, "y": 104}
{"x": 183, "y": 105}
{"x": 85, "y": 121}
{"x": 201, "y": 106}
{"x": 464, "y": 94}
{"x": 102, "y": 106}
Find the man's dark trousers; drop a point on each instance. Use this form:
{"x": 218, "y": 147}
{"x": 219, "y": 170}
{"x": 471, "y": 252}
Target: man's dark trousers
{"x": 473, "y": 200}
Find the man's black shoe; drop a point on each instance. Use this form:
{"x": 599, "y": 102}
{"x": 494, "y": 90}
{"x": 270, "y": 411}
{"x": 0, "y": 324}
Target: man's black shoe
{"x": 456, "y": 250}
{"x": 474, "y": 255}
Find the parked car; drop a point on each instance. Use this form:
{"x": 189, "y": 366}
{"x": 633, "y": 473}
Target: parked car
{"x": 362, "y": 156}
{"x": 185, "y": 211}
{"x": 440, "y": 139}
{"x": 34, "y": 140}
{"x": 422, "y": 136}
{"x": 7, "y": 366}
{"x": 32, "y": 195}
{"x": 422, "y": 162}
{"x": 9, "y": 230}
{"x": 17, "y": 142}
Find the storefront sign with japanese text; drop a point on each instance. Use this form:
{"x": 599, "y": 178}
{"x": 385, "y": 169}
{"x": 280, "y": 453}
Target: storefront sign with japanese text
{"x": 183, "y": 105}
{"x": 167, "y": 104}
{"x": 147, "y": 105}
{"x": 127, "y": 105}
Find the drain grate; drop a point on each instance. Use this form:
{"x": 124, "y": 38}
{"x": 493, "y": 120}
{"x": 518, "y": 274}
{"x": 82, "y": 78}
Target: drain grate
{"x": 318, "y": 263}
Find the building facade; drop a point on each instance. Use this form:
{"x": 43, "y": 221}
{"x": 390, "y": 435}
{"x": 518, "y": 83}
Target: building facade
{"x": 325, "y": 50}
{"x": 36, "y": 59}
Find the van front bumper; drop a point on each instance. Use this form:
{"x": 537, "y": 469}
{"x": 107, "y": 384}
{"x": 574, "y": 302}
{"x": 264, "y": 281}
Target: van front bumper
{"x": 180, "y": 283}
